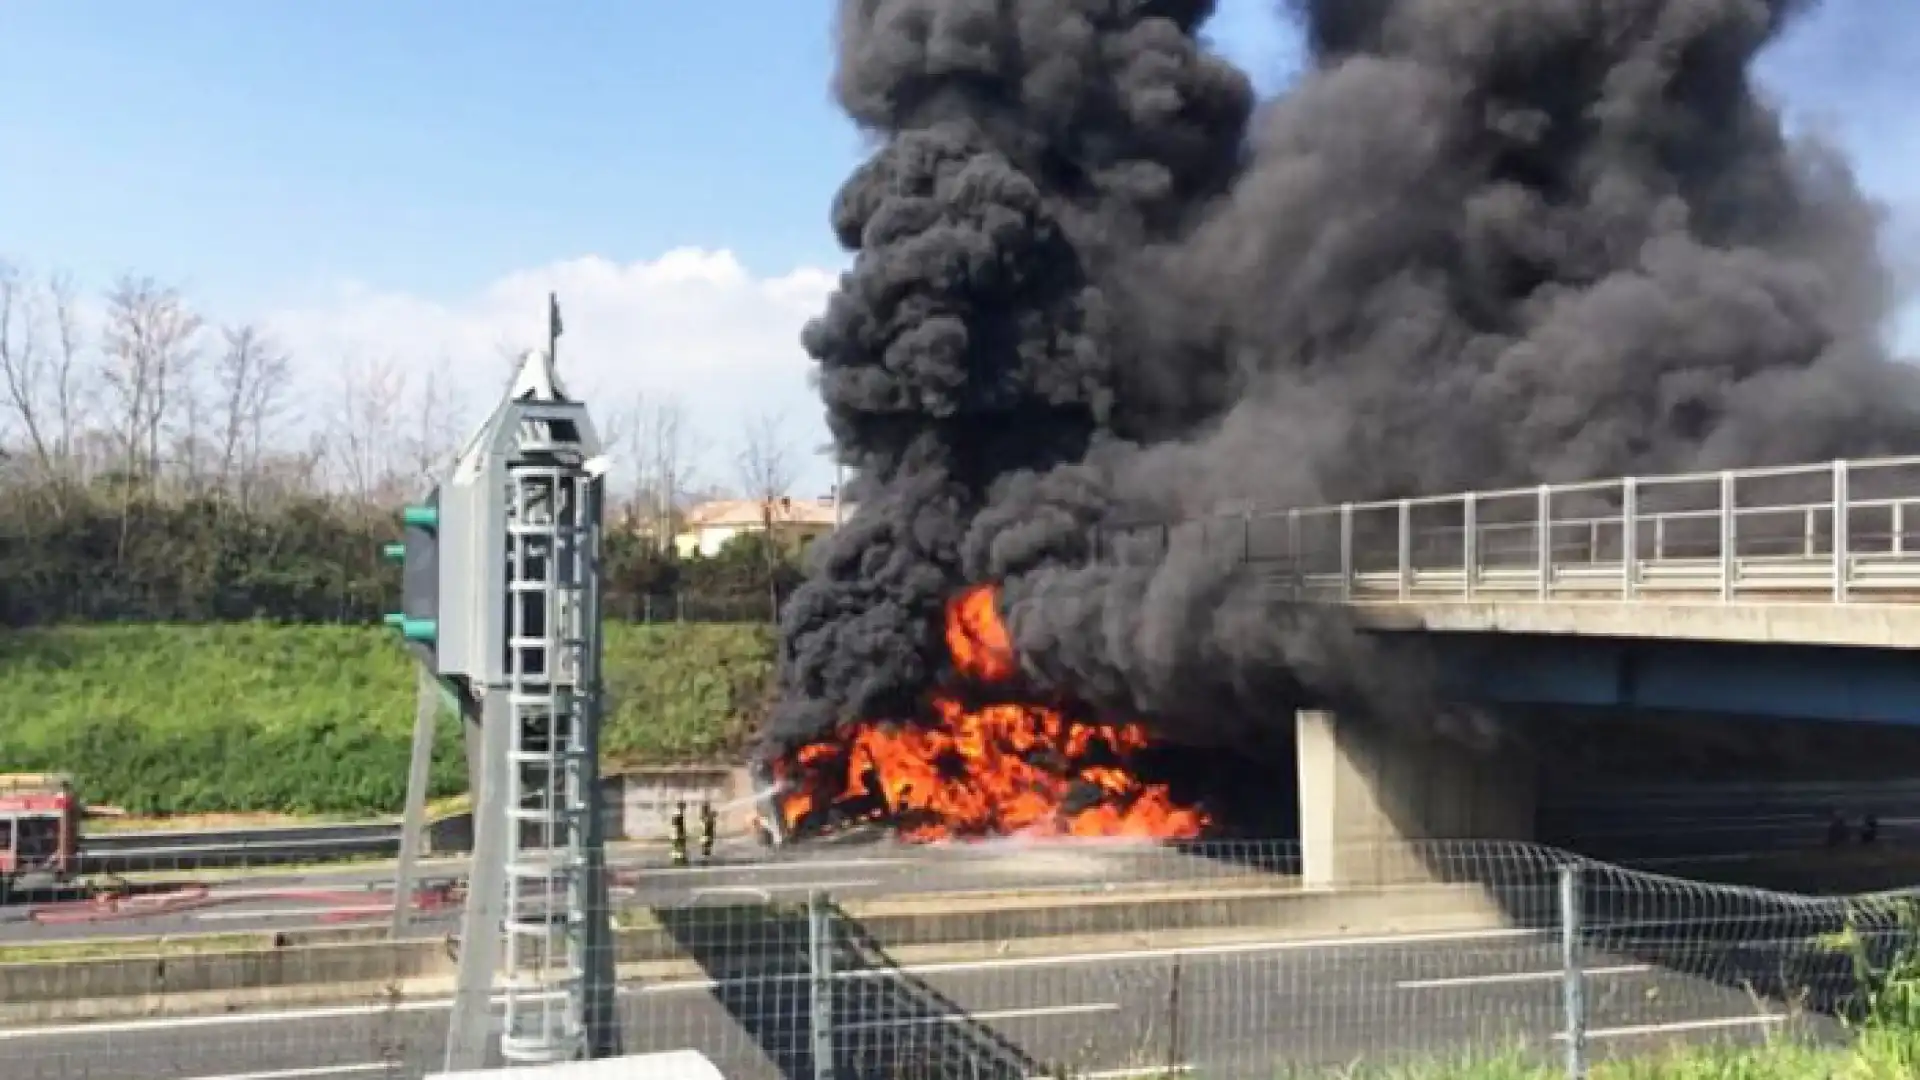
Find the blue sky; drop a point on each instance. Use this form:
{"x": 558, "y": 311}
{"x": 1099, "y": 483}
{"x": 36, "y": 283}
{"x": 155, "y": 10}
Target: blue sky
{"x": 250, "y": 147}
{"x": 408, "y": 170}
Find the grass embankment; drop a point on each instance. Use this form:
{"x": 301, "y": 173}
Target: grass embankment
{"x": 316, "y": 720}
{"x": 1782, "y": 1060}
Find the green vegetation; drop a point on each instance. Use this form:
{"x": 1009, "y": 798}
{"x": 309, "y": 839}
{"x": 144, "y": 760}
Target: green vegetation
{"x": 1780, "y": 1060}
{"x": 684, "y": 693}
{"x": 212, "y": 653}
{"x": 250, "y": 717}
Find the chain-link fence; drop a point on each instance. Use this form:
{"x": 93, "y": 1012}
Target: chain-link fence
{"x": 1091, "y": 959}
{"x": 687, "y": 606}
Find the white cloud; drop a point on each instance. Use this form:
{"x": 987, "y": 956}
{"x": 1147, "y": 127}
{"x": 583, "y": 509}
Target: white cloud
{"x": 693, "y": 325}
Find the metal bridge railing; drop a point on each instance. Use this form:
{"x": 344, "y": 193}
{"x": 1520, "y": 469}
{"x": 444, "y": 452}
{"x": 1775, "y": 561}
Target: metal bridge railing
{"x": 1842, "y": 531}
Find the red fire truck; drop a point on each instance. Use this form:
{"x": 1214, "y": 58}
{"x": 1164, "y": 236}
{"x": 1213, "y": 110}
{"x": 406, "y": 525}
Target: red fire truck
{"x": 39, "y": 826}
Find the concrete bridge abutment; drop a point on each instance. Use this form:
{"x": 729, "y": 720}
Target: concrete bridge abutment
{"x": 1378, "y": 801}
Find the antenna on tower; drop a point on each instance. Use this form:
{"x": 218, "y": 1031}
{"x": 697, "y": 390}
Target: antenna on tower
{"x": 553, "y": 328}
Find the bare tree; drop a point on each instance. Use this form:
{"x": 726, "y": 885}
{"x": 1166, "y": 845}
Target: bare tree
{"x": 41, "y": 368}
{"x": 657, "y": 446}
{"x": 148, "y": 345}
{"x": 365, "y": 435}
{"x": 255, "y": 376}
{"x": 766, "y": 473}
{"x": 22, "y": 364}
{"x": 439, "y": 406}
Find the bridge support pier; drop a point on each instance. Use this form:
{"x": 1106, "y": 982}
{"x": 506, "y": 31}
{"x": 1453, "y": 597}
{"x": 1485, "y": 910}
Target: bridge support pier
{"x": 1371, "y": 793}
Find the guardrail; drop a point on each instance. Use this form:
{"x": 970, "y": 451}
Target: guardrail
{"x": 1839, "y": 531}
{"x": 1745, "y": 797}
{"x": 125, "y": 852}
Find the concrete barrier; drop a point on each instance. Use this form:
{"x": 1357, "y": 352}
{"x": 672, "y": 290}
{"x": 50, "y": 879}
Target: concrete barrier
{"x": 638, "y": 805}
{"x": 686, "y": 942}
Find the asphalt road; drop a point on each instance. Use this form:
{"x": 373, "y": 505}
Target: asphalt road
{"x": 1227, "y": 1010}
{"x": 1655, "y": 837}
{"x": 739, "y": 872}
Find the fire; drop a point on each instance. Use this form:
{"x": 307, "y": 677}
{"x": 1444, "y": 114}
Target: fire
{"x": 970, "y": 769}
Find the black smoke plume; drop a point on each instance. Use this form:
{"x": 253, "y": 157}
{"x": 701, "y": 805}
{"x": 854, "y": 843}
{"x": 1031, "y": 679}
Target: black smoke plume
{"x": 1476, "y": 244}
{"x": 1025, "y": 149}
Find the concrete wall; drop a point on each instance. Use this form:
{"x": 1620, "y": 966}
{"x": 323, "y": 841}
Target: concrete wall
{"x": 639, "y": 804}
{"x": 1374, "y": 797}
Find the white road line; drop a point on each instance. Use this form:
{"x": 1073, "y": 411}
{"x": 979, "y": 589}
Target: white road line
{"x": 1680, "y": 1027}
{"x": 967, "y": 1018}
{"x": 788, "y": 886}
{"x": 769, "y": 868}
{"x": 332, "y": 1012}
{"x": 282, "y": 913}
{"x": 1124, "y": 1073}
{"x": 1171, "y": 951}
{"x": 735, "y": 890}
{"x": 303, "y": 1074}
{"x": 1518, "y": 977}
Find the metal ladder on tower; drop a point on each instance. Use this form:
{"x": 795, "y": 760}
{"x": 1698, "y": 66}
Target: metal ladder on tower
{"x": 544, "y": 932}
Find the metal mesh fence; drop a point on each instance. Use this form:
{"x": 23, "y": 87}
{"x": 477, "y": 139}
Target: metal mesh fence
{"x": 1087, "y": 959}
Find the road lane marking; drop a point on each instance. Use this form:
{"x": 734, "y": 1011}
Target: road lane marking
{"x": 285, "y": 913}
{"x": 1680, "y": 1027}
{"x": 1519, "y": 977}
{"x": 331, "y": 1012}
{"x": 769, "y": 868}
{"x": 305, "y": 1073}
{"x": 1124, "y": 1073}
{"x": 764, "y": 891}
{"x": 736, "y": 890}
{"x": 1044, "y": 1011}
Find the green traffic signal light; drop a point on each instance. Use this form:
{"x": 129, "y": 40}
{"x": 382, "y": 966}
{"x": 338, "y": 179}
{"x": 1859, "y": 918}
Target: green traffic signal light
{"x": 423, "y": 517}
{"x": 396, "y": 552}
{"x": 423, "y": 630}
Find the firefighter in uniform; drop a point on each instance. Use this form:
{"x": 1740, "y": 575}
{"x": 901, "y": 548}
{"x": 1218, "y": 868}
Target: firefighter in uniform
{"x": 679, "y": 825}
{"x": 709, "y": 826}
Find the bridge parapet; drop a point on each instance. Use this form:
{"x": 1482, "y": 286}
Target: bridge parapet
{"x": 1836, "y": 532}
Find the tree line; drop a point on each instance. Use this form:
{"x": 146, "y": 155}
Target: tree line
{"x": 154, "y": 467}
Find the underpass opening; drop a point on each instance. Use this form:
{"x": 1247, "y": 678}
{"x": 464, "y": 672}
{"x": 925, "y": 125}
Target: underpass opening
{"x": 988, "y": 757}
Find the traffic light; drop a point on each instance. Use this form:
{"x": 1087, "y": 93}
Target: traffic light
{"x": 418, "y": 553}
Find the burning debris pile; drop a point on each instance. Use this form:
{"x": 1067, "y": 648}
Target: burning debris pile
{"x": 1474, "y": 244}
{"x": 981, "y": 763}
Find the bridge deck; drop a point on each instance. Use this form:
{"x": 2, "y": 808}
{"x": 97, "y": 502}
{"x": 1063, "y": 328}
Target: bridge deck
{"x": 1809, "y": 554}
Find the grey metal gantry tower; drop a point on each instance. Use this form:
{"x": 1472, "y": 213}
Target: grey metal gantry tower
{"x": 511, "y": 543}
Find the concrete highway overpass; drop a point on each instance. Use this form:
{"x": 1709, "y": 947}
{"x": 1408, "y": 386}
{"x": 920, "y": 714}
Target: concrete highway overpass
{"x": 1778, "y": 592}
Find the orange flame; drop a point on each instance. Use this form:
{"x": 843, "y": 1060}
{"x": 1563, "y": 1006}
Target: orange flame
{"x": 973, "y": 770}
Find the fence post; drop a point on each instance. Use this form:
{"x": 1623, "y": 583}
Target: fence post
{"x": 1729, "y": 533}
{"x": 820, "y": 983}
{"x": 1573, "y": 991}
{"x": 1842, "y": 539}
{"x": 1404, "y": 541}
{"x": 1630, "y": 537}
{"x": 1293, "y": 553}
{"x": 1469, "y": 545}
{"x": 1346, "y": 551}
{"x": 1543, "y": 540}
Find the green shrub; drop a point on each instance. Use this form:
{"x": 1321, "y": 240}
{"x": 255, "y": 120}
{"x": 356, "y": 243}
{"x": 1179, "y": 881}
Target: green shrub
{"x": 241, "y": 717}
